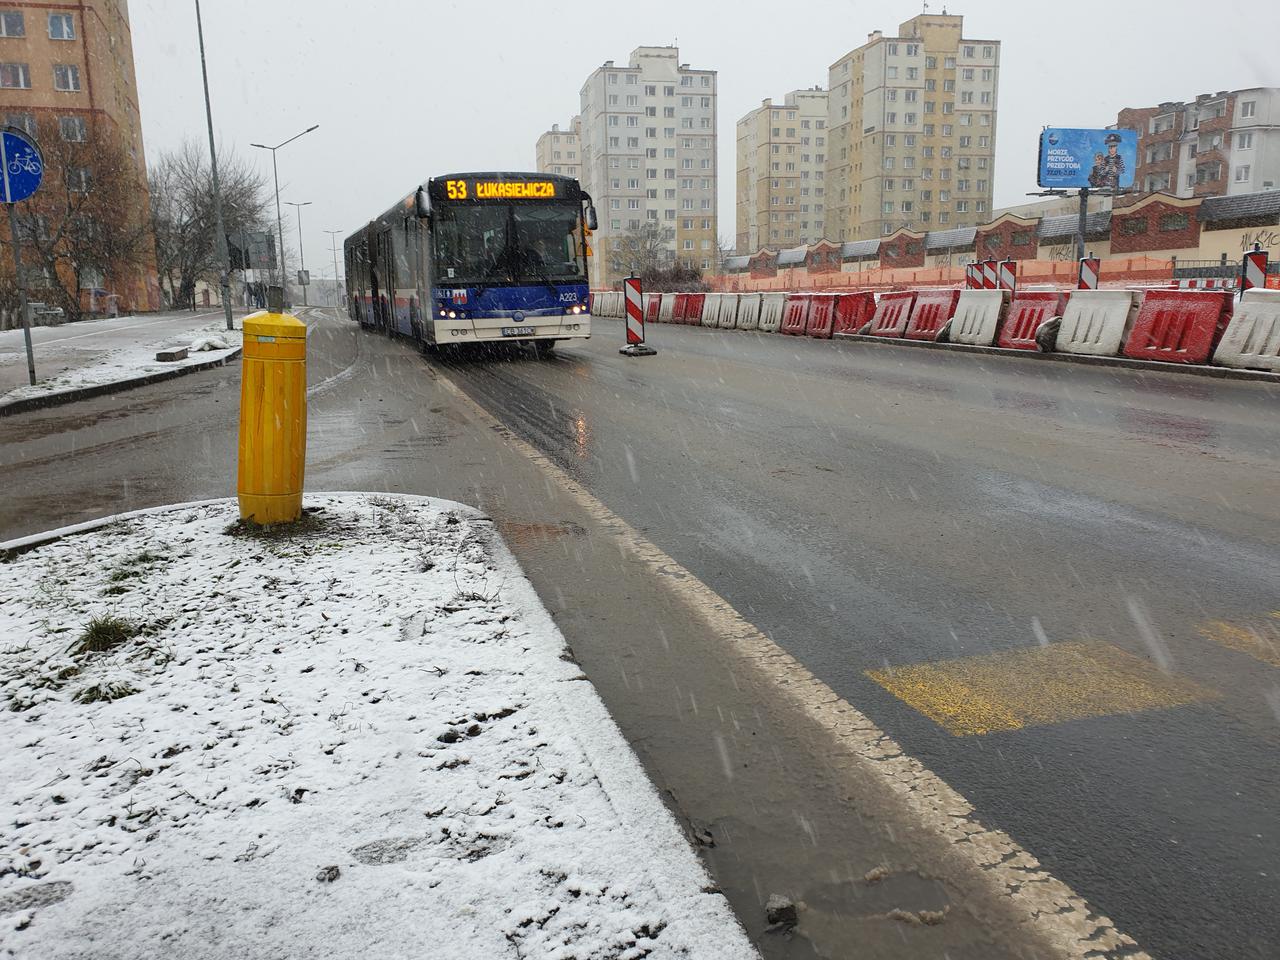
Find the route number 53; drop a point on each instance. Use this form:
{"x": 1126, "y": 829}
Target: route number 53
{"x": 457, "y": 189}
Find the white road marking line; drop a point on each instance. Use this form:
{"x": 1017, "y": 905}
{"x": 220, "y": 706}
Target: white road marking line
{"x": 1062, "y": 918}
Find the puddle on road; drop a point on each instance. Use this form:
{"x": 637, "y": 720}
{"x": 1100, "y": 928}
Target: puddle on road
{"x": 525, "y": 534}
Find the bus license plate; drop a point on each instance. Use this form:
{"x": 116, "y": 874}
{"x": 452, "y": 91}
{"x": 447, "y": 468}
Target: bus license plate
{"x": 517, "y": 331}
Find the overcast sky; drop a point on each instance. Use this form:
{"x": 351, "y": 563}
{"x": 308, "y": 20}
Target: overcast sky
{"x": 407, "y": 90}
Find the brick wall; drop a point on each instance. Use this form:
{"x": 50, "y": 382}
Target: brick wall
{"x": 1155, "y": 225}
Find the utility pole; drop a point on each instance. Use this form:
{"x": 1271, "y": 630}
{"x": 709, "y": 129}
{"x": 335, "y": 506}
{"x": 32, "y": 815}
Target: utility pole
{"x": 224, "y": 256}
{"x": 337, "y": 286}
{"x": 302, "y": 258}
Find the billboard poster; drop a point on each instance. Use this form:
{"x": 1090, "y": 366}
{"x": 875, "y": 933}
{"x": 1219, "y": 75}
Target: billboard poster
{"x": 1093, "y": 159}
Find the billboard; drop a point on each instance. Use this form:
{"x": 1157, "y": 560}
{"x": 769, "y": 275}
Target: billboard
{"x": 1093, "y": 159}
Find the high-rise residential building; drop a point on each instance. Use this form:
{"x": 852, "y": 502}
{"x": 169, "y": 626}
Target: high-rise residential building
{"x": 782, "y": 163}
{"x": 912, "y": 131}
{"x": 559, "y": 151}
{"x": 1216, "y": 145}
{"x": 67, "y": 78}
{"x": 649, "y": 160}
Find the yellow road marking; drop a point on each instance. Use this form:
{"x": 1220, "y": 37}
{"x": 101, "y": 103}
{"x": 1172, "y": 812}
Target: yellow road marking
{"x": 1260, "y": 639}
{"x": 1035, "y": 686}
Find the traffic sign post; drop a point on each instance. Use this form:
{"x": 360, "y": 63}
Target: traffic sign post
{"x": 633, "y": 299}
{"x": 21, "y": 169}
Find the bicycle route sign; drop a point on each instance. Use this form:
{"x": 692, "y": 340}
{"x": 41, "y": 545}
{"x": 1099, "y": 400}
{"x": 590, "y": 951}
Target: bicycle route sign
{"x": 21, "y": 166}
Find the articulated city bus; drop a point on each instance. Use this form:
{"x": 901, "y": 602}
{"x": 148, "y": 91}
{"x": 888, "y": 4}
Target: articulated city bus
{"x": 476, "y": 257}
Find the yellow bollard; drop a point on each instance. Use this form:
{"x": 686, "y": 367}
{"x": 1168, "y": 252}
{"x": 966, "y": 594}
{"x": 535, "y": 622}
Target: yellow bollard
{"x": 273, "y": 418}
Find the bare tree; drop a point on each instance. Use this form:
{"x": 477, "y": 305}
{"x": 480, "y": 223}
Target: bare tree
{"x": 182, "y": 214}
{"x": 649, "y": 253}
{"x": 85, "y": 223}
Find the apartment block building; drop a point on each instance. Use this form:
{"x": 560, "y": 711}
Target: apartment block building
{"x": 67, "y": 76}
{"x": 781, "y": 172}
{"x": 559, "y": 151}
{"x": 1218, "y": 144}
{"x": 648, "y": 149}
{"x": 911, "y": 123}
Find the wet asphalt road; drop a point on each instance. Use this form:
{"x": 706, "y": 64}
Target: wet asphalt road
{"x": 869, "y": 508}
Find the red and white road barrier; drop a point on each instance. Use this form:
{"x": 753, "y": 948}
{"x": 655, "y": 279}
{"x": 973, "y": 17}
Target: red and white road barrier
{"x": 1089, "y": 268}
{"x": 1253, "y": 272}
{"x": 1204, "y": 283}
{"x": 1008, "y": 274}
{"x": 635, "y": 320}
{"x": 990, "y": 275}
{"x": 973, "y": 276}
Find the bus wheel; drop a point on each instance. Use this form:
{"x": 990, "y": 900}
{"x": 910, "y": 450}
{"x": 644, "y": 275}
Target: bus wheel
{"x": 544, "y": 348}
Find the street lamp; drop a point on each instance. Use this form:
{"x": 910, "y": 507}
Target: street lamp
{"x": 275, "y": 172}
{"x": 224, "y": 256}
{"x": 333, "y": 242}
{"x": 297, "y": 210}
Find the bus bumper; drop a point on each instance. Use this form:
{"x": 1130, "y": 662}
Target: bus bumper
{"x": 498, "y": 329}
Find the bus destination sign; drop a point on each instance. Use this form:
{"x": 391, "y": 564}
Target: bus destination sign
{"x": 480, "y": 189}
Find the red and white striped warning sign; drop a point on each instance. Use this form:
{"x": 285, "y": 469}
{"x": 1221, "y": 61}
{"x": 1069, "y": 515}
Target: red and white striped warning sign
{"x": 990, "y": 274}
{"x": 1008, "y": 274}
{"x": 635, "y": 310}
{"x": 1089, "y": 273}
{"x": 1254, "y": 271}
{"x": 973, "y": 276}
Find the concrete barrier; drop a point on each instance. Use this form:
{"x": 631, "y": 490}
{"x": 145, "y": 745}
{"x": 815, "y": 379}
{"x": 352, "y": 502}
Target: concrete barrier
{"x": 796, "y": 315}
{"x": 1097, "y": 322}
{"x": 821, "y": 316}
{"x": 652, "y": 302}
{"x": 1252, "y": 338}
{"x": 979, "y": 315}
{"x": 749, "y": 311}
{"x": 853, "y": 311}
{"x": 771, "y": 307}
{"x": 693, "y": 309}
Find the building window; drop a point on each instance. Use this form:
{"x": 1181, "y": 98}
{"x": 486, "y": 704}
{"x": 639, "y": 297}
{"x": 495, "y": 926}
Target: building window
{"x": 15, "y": 76}
{"x": 12, "y": 25}
{"x": 78, "y": 179}
{"x": 73, "y": 129}
{"x": 1132, "y": 228}
{"x": 1244, "y": 141}
{"x": 62, "y": 26}
{"x": 988, "y": 53}
{"x": 25, "y": 122}
{"x": 962, "y": 206}
{"x": 1248, "y": 108}
{"x": 1242, "y": 173}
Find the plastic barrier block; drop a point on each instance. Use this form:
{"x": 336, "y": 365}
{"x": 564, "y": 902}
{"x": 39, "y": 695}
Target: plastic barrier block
{"x": 748, "y": 311}
{"x": 693, "y": 309}
{"x": 821, "y": 316}
{"x": 652, "y": 301}
{"x": 1026, "y": 313}
{"x": 771, "y": 307}
{"x": 728, "y": 311}
{"x": 979, "y": 315}
{"x": 853, "y": 311}
{"x": 893, "y": 312}
{"x": 1179, "y": 326}
{"x": 681, "y": 309}
{"x": 1252, "y": 338}
{"x": 932, "y": 309}
{"x": 667, "y": 311}
{"x": 711, "y": 310}
{"x": 796, "y": 315}
{"x": 1097, "y": 322}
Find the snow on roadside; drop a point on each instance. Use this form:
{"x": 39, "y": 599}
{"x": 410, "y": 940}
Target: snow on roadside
{"x": 136, "y": 360}
{"x": 369, "y": 737}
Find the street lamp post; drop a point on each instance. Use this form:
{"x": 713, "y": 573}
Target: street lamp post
{"x": 224, "y": 256}
{"x": 333, "y": 242}
{"x": 302, "y": 259}
{"x": 275, "y": 173}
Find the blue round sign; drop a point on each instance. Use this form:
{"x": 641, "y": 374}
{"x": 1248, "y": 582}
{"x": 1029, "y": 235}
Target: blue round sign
{"x": 21, "y": 166}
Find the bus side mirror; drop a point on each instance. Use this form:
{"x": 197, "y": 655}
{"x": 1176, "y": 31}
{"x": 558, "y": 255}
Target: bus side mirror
{"x": 420, "y": 207}
{"x": 592, "y": 223}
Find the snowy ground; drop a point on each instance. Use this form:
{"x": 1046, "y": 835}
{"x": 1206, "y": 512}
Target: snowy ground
{"x": 83, "y": 357}
{"x": 368, "y": 739}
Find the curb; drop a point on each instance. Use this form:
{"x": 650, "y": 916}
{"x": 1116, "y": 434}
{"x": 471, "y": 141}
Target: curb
{"x": 1156, "y": 366}
{"x": 27, "y": 404}
{"x": 20, "y": 545}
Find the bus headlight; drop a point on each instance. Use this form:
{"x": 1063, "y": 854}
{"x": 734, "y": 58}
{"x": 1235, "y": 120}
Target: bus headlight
{"x": 442, "y": 312}
{"x": 576, "y": 309}
{"x": 452, "y": 315}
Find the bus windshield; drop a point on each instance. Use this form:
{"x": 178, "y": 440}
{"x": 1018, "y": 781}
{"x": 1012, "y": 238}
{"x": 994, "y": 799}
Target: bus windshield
{"x": 508, "y": 243}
